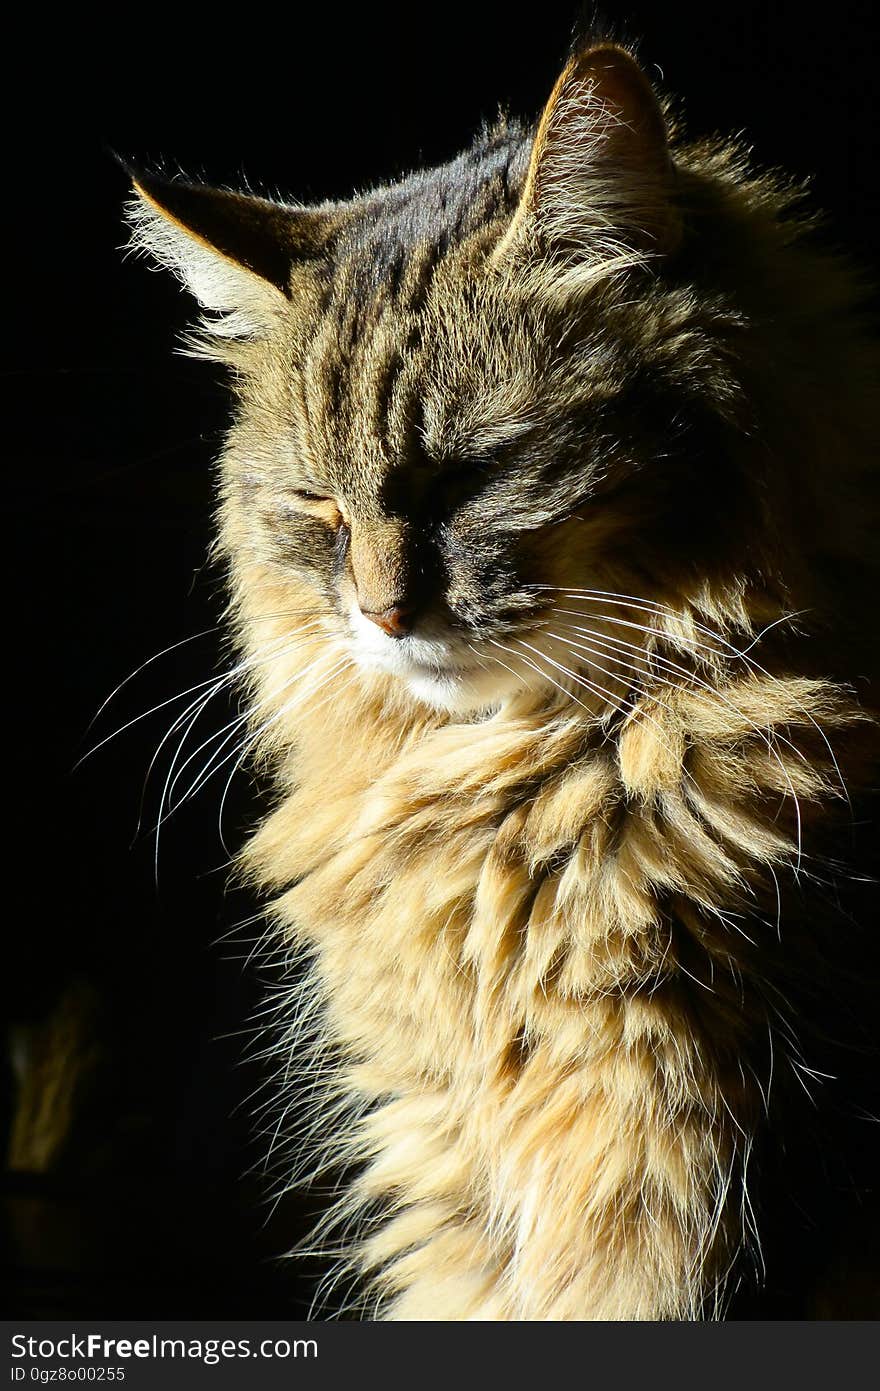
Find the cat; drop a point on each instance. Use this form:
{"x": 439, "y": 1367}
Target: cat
{"x": 545, "y": 510}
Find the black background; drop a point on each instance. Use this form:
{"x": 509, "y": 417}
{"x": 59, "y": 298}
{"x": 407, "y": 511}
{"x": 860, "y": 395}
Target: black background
{"x": 151, "y": 1209}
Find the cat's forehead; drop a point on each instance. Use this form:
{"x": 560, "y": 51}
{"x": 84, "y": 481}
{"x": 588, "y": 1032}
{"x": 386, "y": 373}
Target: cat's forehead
{"x": 420, "y": 377}
{"x": 409, "y": 358}
{"x": 395, "y": 242}
{"x": 434, "y": 208}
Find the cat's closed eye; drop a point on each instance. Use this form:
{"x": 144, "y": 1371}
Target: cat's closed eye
{"x": 458, "y": 482}
{"x": 320, "y": 505}
{"x": 308, "y": 495}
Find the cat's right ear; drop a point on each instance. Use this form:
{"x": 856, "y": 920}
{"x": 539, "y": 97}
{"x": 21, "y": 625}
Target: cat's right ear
{"x": 233, "y": 251}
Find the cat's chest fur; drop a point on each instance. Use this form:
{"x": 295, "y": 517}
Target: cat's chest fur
{"x": 523, "y": 930}
{"x": 467, "y": 888}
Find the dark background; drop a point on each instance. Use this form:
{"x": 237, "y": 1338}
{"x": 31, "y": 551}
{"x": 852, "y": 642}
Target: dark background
{"x": 152, "y": 1201}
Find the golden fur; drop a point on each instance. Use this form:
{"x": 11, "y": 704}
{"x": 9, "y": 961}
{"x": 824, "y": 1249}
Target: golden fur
{"x": 550, "y": 930}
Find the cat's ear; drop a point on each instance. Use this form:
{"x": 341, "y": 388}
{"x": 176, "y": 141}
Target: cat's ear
{"x": 600, "y": 178}
{"x": 233, "y": 251}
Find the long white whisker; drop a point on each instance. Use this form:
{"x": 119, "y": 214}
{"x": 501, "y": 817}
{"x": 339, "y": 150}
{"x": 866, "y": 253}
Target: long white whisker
{"x": 668, "y": 612}
{"x": 785, "y": 618}
{"x": 286, "y": 708}
{"x": 180, "y": 695}
{"x": 689, "y": 643}
{"x": 163, "y": 814}
{"x": 714, "y": 693}
{"x": 664, "y": 681}
{"x": 197, "y": 705}
{"x": 543, "y": 674}
{"x": 621, "y": 709}
{"x": 633, "y": 601}
{"x": 566, "y": 671}
{"x": 611, "y": 644}
{"x": 517, "y": 675}
{"x": 173, "y": 647}
{"x": 249, "y": 744}
{"x": 261, "y": 658}
{"x": 207, "y": 771}
{"x": 235, "y": 724}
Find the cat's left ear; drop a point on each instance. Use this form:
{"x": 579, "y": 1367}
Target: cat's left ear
{"x": 233, "y": 251}
{"x": 600, "y": 181}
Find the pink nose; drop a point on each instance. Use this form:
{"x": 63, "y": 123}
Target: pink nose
{"x": 396, "y": 621}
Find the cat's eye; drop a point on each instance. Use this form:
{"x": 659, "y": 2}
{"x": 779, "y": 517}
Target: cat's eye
{"x": 459, "y": 481}
{"x": 307, "y": 495}
{"x": 314, "y": 504}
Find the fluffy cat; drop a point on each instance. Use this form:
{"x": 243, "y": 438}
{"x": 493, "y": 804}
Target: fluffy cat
{"x": 544, "y": 510}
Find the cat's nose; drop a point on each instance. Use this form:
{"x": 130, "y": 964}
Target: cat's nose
{"x": 395, "y": 621}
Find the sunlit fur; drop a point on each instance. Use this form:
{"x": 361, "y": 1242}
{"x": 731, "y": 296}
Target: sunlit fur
{"x": 542, "y": 853}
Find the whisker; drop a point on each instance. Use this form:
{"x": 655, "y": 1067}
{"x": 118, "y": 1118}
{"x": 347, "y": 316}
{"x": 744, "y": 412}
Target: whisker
{"x": 543, "y": 674}
{"x": 200, "y": 704}
{"x": 664, "y": 681}
{"x": 785, "y": 618}
{"x": 634, "y": 601}
{"x": 766, "y": 738}
{"x": 667, "y": 611}
{"x": 691, "y": 644}
{"x": 625, "y": 711}
{"x": 229, "y": 676}
{"x": 173, "y": 647}
{"x": 517, "y": 675}
{"x": 250, "y": 744}
{"x": 207, "y": 771}
{"x": 236, "y": 724}
{"x": 656, "y": 657}
{"x": 591, "y": 685}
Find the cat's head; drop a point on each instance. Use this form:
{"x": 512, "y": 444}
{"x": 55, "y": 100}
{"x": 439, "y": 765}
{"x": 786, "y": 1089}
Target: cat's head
{"x": 476, "y": 401}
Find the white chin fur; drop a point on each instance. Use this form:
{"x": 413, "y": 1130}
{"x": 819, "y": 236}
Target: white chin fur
{"x": 462, "y": 692}
{"x": 441, "y": 671}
